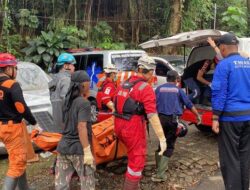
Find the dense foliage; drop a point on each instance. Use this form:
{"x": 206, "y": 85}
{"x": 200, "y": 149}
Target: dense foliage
{"x": 108, "y": 24}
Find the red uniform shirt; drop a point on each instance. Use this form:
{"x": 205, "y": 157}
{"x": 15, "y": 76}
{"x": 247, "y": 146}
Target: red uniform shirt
{"x": 143, "y": 92}
{"x": 106, "y": 93}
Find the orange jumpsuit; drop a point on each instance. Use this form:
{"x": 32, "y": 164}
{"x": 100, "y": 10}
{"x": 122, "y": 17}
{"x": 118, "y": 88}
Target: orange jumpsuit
{"x": 12, "y": 111}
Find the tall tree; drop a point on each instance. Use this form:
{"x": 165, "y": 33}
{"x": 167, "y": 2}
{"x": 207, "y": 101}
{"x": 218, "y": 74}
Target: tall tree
{"x": 175, "y": 18}
{"x": 248, "y": 16}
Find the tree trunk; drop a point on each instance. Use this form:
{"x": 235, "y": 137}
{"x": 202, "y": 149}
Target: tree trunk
{"x": 87, "y": 17}
{"x": 248, "y": 16}
{"x": 132, "y": 17}
{"x": 138, "y": 18}
{"x": 175, "y": 18}
{"x": 175, "y": 22}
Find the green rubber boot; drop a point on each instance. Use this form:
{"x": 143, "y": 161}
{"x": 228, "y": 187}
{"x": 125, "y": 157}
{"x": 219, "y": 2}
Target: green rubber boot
{"x": 160, "y": 175}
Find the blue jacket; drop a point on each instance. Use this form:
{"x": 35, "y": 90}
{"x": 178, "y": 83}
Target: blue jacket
{"x": 231, "y": 89}
{"x": 170, "y": 99}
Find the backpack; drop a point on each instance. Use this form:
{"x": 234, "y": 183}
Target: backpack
{"x": 53, "y": 84}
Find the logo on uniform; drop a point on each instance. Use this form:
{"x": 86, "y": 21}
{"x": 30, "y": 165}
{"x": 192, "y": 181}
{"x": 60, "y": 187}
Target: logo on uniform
{"x": 107, "y": 90}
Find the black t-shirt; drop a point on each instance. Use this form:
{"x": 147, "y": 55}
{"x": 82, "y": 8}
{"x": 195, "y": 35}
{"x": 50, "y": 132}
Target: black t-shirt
{"x": 70, "y": 142}
{"x": 10, "y": 98}
{"x": 191, "y": 71}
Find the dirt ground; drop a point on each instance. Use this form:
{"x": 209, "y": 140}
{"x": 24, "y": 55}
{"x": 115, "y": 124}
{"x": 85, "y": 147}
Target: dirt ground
{"x": 195, "y": 157}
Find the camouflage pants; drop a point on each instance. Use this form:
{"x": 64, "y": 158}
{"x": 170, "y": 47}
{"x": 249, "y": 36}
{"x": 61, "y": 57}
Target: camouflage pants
{"x": 65, "y": 167}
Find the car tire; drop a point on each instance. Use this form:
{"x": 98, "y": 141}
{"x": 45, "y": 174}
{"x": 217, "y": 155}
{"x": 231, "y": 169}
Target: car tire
{"x": 204, "y": 128}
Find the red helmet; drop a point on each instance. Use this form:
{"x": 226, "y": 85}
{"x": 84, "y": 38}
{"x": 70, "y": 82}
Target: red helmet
{"x": 7, "y": 59}
{"x": 182, "y": 129}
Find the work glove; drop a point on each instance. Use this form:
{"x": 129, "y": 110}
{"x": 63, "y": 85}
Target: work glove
{"x": 156, "y": 124}
{"x": 88, "y": 157}
{"x": 198, "y": 119}
{"x": 111, "y": 106}
{"x": 163, "y": 146}
{"x": 37, "y": 127}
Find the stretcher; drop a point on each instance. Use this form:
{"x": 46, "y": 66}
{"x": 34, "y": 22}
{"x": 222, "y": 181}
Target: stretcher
{"x": 106, "y": 146}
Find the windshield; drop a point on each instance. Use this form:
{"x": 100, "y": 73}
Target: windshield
{"x": 125, "y": 61}
{"x": 179, "y": 65}
{"x": 31, "y": 77}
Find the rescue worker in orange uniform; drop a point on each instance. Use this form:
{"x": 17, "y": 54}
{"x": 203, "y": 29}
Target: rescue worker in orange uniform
{"x": 12, "y": 111}
{"x": 134, "y": 99}
{"x": 107, "y": 90}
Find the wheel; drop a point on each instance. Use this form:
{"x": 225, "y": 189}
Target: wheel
{"x": 93, "y": 108}
{"x": 204, "y": 128}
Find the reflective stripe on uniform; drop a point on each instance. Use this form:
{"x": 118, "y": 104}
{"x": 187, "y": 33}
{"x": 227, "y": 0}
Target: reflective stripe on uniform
{"x": 133, "y": 173}
{"x": 142, "y": 86}
{"x": 122, "y": 76}
{"x": 104, "y": 98}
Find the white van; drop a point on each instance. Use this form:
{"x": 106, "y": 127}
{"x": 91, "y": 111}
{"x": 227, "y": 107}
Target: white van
{"x": 94, "y": 62}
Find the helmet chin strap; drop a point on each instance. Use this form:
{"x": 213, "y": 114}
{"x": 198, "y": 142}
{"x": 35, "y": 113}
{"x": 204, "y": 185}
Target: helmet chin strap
{"x": 12, "y": 74}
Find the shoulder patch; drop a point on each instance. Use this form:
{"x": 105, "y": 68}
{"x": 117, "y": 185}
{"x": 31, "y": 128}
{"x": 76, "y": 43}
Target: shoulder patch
{"x": 8, "y": 83}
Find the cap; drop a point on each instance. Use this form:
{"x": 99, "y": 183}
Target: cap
{"x": 110, "y": 69}
{"x": 146, "y": 62}
{"x": 80, "y": 76}
{"x": 172, "y": 74}
{"x": 228, "y": 39}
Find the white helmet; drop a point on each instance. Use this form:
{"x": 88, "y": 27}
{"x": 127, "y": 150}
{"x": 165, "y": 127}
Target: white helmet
{"x": 146, "y": 62}
{"x": 110, "y": 69}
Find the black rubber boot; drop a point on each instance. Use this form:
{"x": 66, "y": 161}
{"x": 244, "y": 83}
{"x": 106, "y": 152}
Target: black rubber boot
{"x": 162, "y": 167}
{"x": 131, "y": 184}
{"x": 22, "y": 183}
{"x": 10, "y": 183}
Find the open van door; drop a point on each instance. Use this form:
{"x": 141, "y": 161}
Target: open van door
{"x": 201, "y": 50}
{"x": 187, "y": 39}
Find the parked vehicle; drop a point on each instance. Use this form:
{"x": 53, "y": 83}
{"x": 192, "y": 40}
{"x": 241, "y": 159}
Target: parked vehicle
{"x": 197, "y": 40}
{"x": 162, "y": 67}
{"x": 94, "y": 62}
{"x": 34, "y": 83}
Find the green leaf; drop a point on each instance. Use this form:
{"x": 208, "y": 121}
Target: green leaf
{"x": 41, "y": 49}
{"x": 37, "y": 59}
{"x": 46, "y": 57}
{"x": 29, "y": 50}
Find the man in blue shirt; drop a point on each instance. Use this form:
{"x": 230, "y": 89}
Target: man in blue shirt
{"x": 170, "y": 100}
{"x": 231, "y": 113}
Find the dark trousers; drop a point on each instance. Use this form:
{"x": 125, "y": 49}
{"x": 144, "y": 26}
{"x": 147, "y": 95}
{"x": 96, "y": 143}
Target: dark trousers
{"x": 169, "y": 125}
{"x": 234, "y": 154}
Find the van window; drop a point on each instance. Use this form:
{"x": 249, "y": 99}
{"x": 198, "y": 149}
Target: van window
{"x": 94, "y": 67}
{"x": 86, "y": 61}
{"x": 161, "y": 69}
{"x": 81, "y": 61}
{"x": 125, "y": 61}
